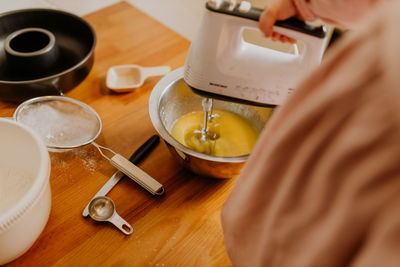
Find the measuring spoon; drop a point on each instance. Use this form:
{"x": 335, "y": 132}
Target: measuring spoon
{"x": 125, "y": 78}
{"x": 102, "y": 209}
{"x": 136, "y": 157}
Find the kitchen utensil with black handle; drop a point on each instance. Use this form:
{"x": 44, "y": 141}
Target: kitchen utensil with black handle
{"x": 136, "y": 157}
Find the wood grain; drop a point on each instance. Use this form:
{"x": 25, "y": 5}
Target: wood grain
{"x": 180, "y": 228}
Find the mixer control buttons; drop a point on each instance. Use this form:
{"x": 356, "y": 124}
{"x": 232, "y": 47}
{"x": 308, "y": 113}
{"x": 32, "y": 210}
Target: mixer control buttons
{"x": 232, "y": 4}
{"x": 244, "y": 7}
{"x": 215, "y": 3}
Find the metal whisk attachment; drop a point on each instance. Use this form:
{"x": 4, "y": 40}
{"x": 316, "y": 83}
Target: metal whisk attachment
{"x": 207, "y": 107}
{"x": 203, "y": 139}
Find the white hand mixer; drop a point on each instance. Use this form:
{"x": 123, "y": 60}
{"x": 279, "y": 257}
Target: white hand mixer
{"x": 220, "y": 64}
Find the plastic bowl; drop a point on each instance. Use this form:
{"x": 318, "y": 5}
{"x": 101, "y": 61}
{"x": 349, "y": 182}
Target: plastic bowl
{"x": 24, "y": 173}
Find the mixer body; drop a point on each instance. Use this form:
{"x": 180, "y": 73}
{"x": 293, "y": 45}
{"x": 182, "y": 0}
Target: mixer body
{"x": 221, "y": 64}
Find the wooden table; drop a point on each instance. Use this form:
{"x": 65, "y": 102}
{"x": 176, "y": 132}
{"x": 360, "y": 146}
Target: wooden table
{"x": 180, "y": 228}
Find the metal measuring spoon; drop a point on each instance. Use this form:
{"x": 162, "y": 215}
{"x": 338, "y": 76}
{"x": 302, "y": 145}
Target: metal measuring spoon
{"x": 136, "y": 157}
{"x": 102, "y": 209}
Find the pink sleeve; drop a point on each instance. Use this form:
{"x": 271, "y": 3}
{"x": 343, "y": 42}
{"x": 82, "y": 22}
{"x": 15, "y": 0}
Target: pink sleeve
{"x": 339, "y": 12}
{"x": 322, "y": 185}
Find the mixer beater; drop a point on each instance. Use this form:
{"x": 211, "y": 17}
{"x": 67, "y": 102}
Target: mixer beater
{"x": 204, "y": 137}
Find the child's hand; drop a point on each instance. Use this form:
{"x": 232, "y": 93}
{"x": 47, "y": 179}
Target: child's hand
{"x": 277, "y": 10}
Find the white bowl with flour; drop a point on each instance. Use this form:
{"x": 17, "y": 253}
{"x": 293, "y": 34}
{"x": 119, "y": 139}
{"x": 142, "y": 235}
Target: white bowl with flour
{"x": 25, "y": 197}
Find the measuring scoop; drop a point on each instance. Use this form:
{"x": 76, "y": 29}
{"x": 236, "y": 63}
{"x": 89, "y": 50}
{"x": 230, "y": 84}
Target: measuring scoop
{"x": 102, "y": 209}
{"x": 125, "y": 78}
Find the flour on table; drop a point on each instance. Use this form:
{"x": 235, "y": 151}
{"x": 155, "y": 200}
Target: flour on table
{"x": 61, "y": 123}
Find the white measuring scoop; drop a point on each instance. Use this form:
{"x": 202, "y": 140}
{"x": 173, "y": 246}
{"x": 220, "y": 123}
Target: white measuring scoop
{"x": 124, "y": 78}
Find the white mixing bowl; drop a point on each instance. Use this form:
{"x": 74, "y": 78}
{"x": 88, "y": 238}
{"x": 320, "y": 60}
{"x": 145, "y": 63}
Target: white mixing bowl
{"x": 23, "y": 213}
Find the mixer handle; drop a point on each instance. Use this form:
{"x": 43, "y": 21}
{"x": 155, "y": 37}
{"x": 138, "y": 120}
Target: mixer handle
{"x": 254, "y": 13}
{"x": 301, "y": 26}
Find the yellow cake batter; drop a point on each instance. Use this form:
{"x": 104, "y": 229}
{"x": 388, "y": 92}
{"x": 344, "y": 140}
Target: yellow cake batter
{"x": 229, "y": 135}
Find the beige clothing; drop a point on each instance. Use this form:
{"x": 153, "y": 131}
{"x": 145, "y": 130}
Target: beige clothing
{"x": 322, "y": 186}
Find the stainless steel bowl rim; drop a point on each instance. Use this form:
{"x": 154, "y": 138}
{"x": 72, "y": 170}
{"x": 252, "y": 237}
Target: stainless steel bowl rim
{"x": 154, "y": 104}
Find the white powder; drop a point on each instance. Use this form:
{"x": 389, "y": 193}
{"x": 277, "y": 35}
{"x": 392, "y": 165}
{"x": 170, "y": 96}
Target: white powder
{"x": 60, "y": 123}
{"x": 88, "y": 155}
{"x": 14, "y": 183}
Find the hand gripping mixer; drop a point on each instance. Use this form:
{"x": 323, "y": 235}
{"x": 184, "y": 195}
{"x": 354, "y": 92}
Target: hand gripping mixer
{"x": 220, "y": 64}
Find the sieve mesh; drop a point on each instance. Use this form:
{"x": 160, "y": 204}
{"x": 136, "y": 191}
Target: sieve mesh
{"x": 62, "y": 122}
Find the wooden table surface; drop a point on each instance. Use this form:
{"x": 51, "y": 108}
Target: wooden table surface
{"x": 180, "y": 228}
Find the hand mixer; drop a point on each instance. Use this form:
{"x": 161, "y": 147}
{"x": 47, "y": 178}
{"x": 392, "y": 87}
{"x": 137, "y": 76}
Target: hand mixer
{"x": 220, "y": 64}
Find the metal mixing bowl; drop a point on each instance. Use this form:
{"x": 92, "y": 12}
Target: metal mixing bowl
{"x": 171, "y": 99}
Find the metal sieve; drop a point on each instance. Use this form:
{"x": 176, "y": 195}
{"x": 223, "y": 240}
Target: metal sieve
{"x": 66, "y": 123}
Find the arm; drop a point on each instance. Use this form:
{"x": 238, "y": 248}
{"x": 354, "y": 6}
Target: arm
{"x": 322, "y": 185}
{"x": 339, "y": 12}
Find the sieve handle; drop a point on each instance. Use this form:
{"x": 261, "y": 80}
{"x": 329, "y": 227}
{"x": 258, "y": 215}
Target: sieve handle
{"x": 136, "y": 174}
